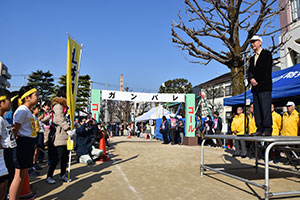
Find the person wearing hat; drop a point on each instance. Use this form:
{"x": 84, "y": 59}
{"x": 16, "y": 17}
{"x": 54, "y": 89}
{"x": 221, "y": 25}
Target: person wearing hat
{"x": 290, "y": 121}
{"x": 260, "y": 78}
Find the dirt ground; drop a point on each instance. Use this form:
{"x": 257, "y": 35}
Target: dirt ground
{"x": 146, "y": 170}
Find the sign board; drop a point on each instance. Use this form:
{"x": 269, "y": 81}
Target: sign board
{"x": 140, "y": 97}
{"x": 190, "y": 115}
{"x": 95, "y": 105}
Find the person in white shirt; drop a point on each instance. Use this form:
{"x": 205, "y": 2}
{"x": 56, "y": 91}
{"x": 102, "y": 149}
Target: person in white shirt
{"x": 7, "y": 144}
{"x": 25, "y": 133}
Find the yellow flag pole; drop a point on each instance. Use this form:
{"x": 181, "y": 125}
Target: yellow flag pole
{"x": 75, "y": 98}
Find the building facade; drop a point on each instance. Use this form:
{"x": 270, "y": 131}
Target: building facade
{"x": 290, "y": 52}
{"x": 215, "y": 91}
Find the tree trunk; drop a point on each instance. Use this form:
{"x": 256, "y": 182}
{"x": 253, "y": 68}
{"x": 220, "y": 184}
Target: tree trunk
{"x": 237, "y": 80}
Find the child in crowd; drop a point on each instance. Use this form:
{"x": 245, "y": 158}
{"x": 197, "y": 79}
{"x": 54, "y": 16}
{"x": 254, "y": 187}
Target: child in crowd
{"x": 14, "y": 104}
{"x": 7, "y": 145}
{"x": 25, "y": 133}
{"x": 3, "y": 175}
{"x": 40, "y": 136}
{"x": 45, "y": 118}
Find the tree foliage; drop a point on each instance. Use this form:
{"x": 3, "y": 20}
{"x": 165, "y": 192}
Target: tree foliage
{"x": 43, "y": 82}
{"x": 178, "y": 85}
{"x": 83, "y": 92}
{"x": 221, "y": 30}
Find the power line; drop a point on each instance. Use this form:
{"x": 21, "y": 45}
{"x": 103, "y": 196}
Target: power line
{"x": 20, "y": 75}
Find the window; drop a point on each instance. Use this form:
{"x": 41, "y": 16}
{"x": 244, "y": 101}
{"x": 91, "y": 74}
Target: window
{"x": 295, "y": 9}
{"x": 228, "y": 117}
{"x": 228, "y": 90}
{"x": 220, "y": 92}
{"x": 295, "y": 57}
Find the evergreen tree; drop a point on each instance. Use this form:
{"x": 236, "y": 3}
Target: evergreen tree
{"x": 43, "y": 82}
{"x": 83, "y": 92}
{"x": 179, "y": 85}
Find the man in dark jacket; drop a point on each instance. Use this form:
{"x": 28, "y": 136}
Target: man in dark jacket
{"x": 260, "y": 77}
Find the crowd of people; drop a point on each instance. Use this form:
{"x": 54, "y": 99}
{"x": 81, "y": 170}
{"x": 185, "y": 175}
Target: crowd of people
{"x": 282, "y": 125}
{"x": 172, "y": 130}
{"x": 31, "y": 133}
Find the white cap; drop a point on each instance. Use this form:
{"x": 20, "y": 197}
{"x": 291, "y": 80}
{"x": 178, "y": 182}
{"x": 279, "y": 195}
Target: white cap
{"x": 290, "y": 103}
{"x": 256, "y": 37}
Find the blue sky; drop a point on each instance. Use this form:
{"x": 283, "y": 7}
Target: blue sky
{"x": 130, "y": 37}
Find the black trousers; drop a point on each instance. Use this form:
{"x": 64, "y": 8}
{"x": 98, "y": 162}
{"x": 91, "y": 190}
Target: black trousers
{"x": 59, "y": 153}
{"x": 9, "y": 162}
{"x": 165, "y": 137}
{"x": 173, "y": 135}
{"x": 262, "y": 111}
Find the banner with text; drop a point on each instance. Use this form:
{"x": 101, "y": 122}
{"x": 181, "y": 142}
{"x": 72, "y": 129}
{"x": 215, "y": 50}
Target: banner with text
{"x": 140, "y": 97}
{"x": 73, "y": 63}
{"x": 190, "y": 115}
{"x": 95, "y": 105}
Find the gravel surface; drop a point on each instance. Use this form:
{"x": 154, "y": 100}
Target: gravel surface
{"x": 146, "y": 170}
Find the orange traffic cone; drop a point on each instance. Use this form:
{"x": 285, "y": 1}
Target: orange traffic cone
{"x": 102, "y": 146}
{"x": 111, "y": 135}
{"x": 26, "y": 192}
{"x": 129, "y": 134}
{"x": 229, "y": 144}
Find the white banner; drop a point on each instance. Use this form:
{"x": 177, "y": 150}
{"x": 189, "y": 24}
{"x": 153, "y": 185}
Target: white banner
{"x": 137, "y": 96}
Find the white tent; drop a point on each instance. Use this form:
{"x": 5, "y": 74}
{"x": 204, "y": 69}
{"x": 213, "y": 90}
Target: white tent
{"x": 155, "y": 113}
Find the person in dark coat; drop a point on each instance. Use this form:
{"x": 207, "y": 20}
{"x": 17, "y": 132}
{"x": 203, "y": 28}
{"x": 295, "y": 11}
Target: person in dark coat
{"x": 164, "y": 129}
{"x": 209, "y": 130}
{"x": 218, "y": 127}
{"x": 85, "y": 151}
{"x": 260, "y": 78}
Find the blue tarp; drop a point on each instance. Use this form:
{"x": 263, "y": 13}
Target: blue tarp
{"x": 157, "y": 134}
{"x": 286, "y": 83}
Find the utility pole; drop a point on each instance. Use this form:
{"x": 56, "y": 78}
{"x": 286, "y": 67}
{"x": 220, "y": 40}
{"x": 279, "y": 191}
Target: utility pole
{"x": 121, "y": 82}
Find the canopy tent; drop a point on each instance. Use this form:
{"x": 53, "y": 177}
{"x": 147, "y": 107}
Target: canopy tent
{"x": 286, "y": 86}
{"x": 155, "y": 113}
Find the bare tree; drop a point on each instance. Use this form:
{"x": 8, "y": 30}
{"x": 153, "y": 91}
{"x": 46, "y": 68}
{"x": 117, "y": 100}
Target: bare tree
{"x": 225, "y": 22}
{"x": 142, "y": 108}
